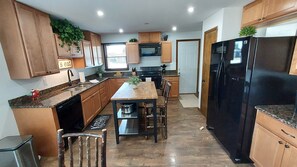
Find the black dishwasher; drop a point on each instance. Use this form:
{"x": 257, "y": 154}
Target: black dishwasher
{"x": 70, "y": 115}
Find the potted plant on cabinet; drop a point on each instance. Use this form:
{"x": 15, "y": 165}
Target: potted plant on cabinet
{"x": 247, "y": 31}
{"x": 68, "y": 33}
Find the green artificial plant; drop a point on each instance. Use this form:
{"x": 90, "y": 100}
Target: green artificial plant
{"x": 134, "y": 80}
{"x": 133, "y": 40}
{"x": 248, "y": 31}
{"x": 100, "y": 70}
{"x": 68, "y": 33}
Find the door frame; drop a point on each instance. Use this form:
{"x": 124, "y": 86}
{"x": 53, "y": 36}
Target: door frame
{"x": 206, "y": 32}
{"x": 198, "y": 65}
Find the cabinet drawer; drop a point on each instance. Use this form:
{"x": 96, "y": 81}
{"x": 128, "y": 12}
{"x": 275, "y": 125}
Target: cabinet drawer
{"x": 282, "y": 130}
{"x": 102, "y": 85}
{"x": 89, "y": 92}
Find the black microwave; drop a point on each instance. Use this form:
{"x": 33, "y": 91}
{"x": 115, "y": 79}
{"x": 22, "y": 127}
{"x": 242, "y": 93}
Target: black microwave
{"x": 152, "y": 49}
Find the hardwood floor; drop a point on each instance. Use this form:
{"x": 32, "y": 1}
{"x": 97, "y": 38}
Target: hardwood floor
{"x": 186, "y": 145}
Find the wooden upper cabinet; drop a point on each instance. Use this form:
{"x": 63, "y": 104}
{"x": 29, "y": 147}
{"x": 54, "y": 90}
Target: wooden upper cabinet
{"x": 252, "y": 13}
{"x": 27, "y": 41}
{"x": 87, "y": 60}
{"x": 132, "y": 50}
{"x": 66, "y": 51}
{"x": 166, "y": 55}
{"x": 293, "y": 68}
{"x": 95, "y": 40}
{"x": 263, "y": 11}
{"x": 149, "y": 37}
{"x": 276, "y": 8}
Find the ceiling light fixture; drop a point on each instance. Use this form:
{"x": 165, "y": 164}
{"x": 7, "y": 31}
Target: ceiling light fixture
{"x": 121, "y": 30}
{"x": 191, "y": 9}
{"x": 174, "y": 28}
{"x": 100, "y": 13}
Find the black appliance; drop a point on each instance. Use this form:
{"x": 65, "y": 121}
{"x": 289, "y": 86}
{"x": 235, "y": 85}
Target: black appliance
{"x": 154, "y": 73}
{"x": 246, "y": 72}
{"x": 151, "y": 49}
{"x": 70, "y": 116}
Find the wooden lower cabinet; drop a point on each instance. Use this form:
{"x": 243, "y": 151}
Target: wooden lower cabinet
{"x": 174, "y": 91}
{"x": 271, "y": 144}
{"x": 115, "y": 84}
{"x": 91, "y": 104}
{"x": 104, "y": 93}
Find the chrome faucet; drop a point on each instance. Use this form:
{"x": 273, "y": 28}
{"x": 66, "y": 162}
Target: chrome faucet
{"x": 69, "y": 79}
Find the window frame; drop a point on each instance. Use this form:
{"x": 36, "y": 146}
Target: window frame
{"x": 105, "y": 57}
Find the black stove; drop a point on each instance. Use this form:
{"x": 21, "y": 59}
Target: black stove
{"x": 153, "y": 72}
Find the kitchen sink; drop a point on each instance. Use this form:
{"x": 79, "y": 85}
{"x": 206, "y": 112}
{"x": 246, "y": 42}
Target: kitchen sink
{"x": 78, "y": 87}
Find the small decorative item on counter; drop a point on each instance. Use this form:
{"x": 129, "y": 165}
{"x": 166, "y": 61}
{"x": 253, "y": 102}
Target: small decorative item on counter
{"x": 134, "y": 81}
{"x": 35, "y": 94}
{"x": 133, "y": 40}
{"x": 118, "y": 74}
{"x": 247, "y": 31}
{"x": 134, "y": 73}
{"x": 164, "y": 37}
{"x": 100, "y": 71}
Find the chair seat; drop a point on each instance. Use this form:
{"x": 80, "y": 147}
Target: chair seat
{"x": 160, "y": 103}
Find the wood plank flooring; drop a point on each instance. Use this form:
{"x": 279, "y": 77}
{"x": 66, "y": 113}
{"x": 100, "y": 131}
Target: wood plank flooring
{"x": 186, "y": 145}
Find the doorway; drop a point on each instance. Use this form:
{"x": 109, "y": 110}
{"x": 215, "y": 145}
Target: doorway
{"x": 187, "y": 60}
{"x": 210, "y": 37}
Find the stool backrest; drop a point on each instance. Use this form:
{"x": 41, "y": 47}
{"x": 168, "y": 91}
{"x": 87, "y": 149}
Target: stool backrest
{"x": 69, "y": 136}
{"x": 167, "y": 91}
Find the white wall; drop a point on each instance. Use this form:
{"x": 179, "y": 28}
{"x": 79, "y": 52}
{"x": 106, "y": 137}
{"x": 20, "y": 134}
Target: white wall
{"x": 10, "y": 89}
{"x": 277, "y": 29}
{"x": 228, "y": 22}
{"x": 153, "y": 61}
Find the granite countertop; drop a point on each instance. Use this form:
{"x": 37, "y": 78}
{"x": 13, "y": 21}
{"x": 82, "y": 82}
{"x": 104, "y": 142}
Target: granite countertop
{"x": 283, "y": 113}
{"x": 53, "y": 97}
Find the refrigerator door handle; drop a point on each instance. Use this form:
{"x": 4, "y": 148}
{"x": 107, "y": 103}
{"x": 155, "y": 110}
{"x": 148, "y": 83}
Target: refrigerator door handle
{"x": 217, "y": 86}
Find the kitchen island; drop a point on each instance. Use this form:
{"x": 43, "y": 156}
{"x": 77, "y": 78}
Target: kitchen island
{"x": 129, "y": 126}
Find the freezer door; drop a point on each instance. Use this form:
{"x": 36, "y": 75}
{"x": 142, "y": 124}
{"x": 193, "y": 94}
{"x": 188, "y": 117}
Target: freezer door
{"x": 216, "y": 57}
{"x": 230, "y": 94}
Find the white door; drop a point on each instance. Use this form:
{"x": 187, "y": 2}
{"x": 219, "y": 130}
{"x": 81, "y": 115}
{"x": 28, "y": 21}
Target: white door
{"x": 188, "y": 65}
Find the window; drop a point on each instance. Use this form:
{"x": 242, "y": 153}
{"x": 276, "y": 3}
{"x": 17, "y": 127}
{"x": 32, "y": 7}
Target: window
{"x": 115, "y": 56}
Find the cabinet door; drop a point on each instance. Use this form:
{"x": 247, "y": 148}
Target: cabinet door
{"x": 155, "y": 37}
{"x": 132, "y": 50}
{"x": 95, "y": 43}
{"x": 30, "y": 34}
{"x": 88, "y": 109}
{"x": 49, "y": 51}
{"x": 87, "y": 50}
{"x": 144, "y": 37}
{"x": 275, "y": 8}
{"x": 267, "y": 149}
{"x": 166, "y": 56}
{"x": 97, "y": 102}
{"x": 290, "y": 156}
{"x": 293, "y": 68}
{"x": 174, "y": 91}
{"x": 252, "y": 13}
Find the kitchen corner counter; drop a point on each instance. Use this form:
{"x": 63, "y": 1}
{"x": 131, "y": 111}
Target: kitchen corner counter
{"x": 50, "y": 99}
{"x": 283, "y": 113}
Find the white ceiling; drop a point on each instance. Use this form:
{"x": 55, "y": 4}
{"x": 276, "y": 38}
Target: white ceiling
{"x": 131, "y": 15}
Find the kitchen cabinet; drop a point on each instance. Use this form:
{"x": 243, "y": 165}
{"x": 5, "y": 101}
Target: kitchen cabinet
{"x": 91, "y": 104}
{"x": 252, "y": 13}
{"x": 95, "y": 40}
{"x": 132, "y": 50}
{"x": 166, "y": 55}
{"x": 27, "y": 41}
{"x": 274, "y": 143}
{"x": 87, "y": 60}
{"x": 115, "y": 84}
{"x": 104, "y": 94}
{"x": 293, "y": 67}
{"x": 149, "y": 37}
{"x": 263, "y": 11}
{"x": 65, "y": 51}
{"x": 174, "y": 91}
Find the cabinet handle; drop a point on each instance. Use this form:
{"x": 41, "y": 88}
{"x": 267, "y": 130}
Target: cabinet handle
{"x": 263, "y": 18}
{"x": 287, "y": 146}
{"x": 259, "y": 19}
{"x": 280, "y": 142}
{"x": 287, "y": 133}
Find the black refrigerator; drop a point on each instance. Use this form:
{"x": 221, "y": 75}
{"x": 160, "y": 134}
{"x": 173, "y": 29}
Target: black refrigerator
{"x": 246, "y": 72}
